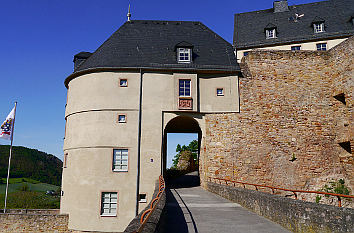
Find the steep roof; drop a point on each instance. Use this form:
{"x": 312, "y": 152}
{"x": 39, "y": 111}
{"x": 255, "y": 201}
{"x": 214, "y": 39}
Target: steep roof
{"x": 151, "y": 44}
{"x": 249, "y": 27}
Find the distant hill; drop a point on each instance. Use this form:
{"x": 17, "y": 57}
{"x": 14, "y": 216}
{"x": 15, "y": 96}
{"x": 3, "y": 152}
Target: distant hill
{"x": 31, "y": 163}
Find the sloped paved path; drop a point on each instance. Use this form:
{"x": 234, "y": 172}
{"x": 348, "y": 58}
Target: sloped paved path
{"x": 189, "y": 208}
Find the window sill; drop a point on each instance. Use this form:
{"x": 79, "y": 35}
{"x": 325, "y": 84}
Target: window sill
{"x": 119, "y": 171}
{"x": 108, "y": 215}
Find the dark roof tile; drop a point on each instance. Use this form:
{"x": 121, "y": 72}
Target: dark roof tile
{"x": 249, "y": 27}
{"x": 151, "y": 44}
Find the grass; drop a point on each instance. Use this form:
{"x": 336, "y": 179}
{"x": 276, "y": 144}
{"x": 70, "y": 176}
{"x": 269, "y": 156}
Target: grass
{"x": 25, "y": 193}
{"x": 30, "y": 200}
{"x": 16, "y": 183}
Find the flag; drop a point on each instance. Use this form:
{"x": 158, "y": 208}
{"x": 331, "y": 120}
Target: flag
{"x": 6, "y": 127}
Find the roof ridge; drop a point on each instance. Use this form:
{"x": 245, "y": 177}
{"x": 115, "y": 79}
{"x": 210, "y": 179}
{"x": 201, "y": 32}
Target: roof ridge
{"x": 292, "y": 6}
{"x": 173, "y": 21}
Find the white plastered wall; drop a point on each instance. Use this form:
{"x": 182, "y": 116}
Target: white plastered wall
{"x": 304, "y": 46}
{"x": 92, "y": 132}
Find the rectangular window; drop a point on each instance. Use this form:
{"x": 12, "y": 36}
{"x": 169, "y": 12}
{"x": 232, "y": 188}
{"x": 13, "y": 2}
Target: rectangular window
{"x": 142, "y": 198}
{"x": 270, "y": 33}
{"x": 295, "y": 48}
{"x": 321, "y": 46}
{"x": 185, "y": 87}
{"x": 184, "y": 55}
{"x": 120, "y": 160}
{"x": 318, "y": 27}
{"x": 245, "y": 53}
{"x": 122, "y": 118}
{"x": 109, "y": 204}
{"x": 220, "y": 91}
{"x": 123, "y": 82}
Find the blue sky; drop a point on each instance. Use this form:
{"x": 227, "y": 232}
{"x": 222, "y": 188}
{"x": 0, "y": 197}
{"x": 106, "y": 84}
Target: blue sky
{"x": 38, "y": 39}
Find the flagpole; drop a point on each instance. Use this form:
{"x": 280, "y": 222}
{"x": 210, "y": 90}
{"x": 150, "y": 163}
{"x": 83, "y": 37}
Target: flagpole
{"x": 8, "y": 169}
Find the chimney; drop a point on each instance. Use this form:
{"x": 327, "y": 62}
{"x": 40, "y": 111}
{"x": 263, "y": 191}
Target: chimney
{"x": 80, "y": 58}
{"x": 280, "y": 6}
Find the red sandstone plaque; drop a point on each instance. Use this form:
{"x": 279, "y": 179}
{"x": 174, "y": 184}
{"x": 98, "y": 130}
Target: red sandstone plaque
{"x": 185, "y": 103}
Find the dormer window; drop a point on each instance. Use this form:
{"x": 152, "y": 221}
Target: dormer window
{"x": 184, "y": 55}
{"x": 270, "y": 31}
{"x": 318, "y": 27}
{"x": 184, "y": 52}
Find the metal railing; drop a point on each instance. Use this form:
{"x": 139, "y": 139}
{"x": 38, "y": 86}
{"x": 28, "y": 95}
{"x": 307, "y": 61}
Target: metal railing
{"x": 294, "y": 191}
{"x": 147, "y": 213}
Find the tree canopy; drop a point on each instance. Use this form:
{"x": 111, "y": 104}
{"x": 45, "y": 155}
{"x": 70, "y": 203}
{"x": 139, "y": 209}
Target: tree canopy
{"x": 192, "y": 147}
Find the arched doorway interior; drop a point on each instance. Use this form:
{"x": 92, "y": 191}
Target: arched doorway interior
{"x": 180, "y": 124}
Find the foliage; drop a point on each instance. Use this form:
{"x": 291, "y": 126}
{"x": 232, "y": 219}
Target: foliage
{"x": 318, "y": 199}
{"x": 192, "y": 147}
{"x": 32, "y": 164}
{"x": 30, "y": 200}
{"x": 338, "y": 187}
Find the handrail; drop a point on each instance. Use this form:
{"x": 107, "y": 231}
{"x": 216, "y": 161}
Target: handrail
{"x": 283, "y": 189}
{"x": 147, "y": 213}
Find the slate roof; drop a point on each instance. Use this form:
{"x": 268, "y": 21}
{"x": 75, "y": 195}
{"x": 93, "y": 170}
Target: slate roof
{"x": 249, "y": 27}
{"x": 152, "y": 44}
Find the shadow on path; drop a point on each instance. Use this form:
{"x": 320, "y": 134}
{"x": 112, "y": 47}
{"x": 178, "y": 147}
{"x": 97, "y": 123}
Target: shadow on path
{"x": 173, "y": 218}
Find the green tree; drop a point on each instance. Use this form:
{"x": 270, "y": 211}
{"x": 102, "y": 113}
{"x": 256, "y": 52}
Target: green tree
{"x": 192, "y": 147}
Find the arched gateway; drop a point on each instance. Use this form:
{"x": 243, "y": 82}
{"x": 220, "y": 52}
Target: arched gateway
{"x": 148, "y": 79}
{"x": 181, "y": 124}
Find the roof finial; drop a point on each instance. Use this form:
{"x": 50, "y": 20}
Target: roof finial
{"x": 128, "y": 15}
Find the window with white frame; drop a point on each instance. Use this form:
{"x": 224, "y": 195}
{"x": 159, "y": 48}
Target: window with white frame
{"x": 109, "y": 203}
{"x": 321, "y": 46}
{"x": 120, "y": 160}
{"x": 295, "y": 48}
{"x": 184, "y": 55}
{"x": 318, "y": 27}
{"x": 184, "y": 87}
{"x": 271, "y": 33}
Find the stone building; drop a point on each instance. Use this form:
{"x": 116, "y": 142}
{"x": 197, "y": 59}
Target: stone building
{"x": 314, "y": 26}
{"x": 283, "y": 119}
{"x": 148, "y": 79}
{"x": 295, "y": 124}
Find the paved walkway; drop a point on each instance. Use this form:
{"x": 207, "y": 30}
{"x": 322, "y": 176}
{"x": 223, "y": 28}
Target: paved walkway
{"x": 189, "y": 208}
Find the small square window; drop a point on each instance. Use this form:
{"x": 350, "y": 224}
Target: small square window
{"x": 318, "y": 27}
{"x": 123, "y": 82}
{"x": 220, "y": 91}
{"x": 120, "y": 160}
{"x": 321, "y": 46}
{"x": 271, "y": 33}
{"x": 295, "y": 48}
{"x": 184, "y": 55}
{"x": 142, "y": 198}
{"x": 245, "y": 53}
{"x": 122, "y": 118}
{"x": 109, "y": 203}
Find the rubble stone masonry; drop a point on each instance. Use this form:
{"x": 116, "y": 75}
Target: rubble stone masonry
{"x": 295, "y": 125}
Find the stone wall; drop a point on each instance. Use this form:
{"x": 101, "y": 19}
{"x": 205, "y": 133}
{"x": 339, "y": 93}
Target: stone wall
{"x": 33, "y": 221}
{"x": 295, "y": 215}
{"x": 290, "y": 125}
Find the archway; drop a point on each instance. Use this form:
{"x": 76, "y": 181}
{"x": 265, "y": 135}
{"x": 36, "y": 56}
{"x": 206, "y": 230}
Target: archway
{"x": 180, "y": 124}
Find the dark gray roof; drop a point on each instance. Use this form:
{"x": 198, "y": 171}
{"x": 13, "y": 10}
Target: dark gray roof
{"x": 249, "y": 27}
{"x": 152, "y": 44}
